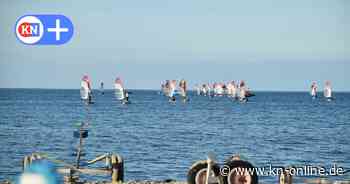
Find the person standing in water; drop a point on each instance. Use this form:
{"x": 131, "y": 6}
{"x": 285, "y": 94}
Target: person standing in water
{"x": 85, "y": 89}
{"x": 183, "y": 90}
{"x": 313, "y": 91}
{"x": 126, "y": 99}
{"x": 119, "y": 91}
{"x": 234, "y": 90}
{"x": 242, "y": 92}
{"x": 166, "y": 90}
{"x": 208, "y": 90}
{"x": 204, "y": 90}
{"x": 172, "y": 91}
{"x": 102, "y": 88}
{"x": 328, "y": 91}
{"x": 231, "y": 89}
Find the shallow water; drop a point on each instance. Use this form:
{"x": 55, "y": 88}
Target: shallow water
{"x": 160, "y": 140}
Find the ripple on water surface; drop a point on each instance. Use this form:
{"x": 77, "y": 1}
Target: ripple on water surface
{"x": 160, "y": 140}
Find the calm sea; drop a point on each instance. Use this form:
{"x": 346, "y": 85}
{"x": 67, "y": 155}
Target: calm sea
{"x": 160, "y": 140}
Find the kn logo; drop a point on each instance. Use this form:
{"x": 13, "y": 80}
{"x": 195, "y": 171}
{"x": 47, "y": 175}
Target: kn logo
{"x": 44, "y": 29}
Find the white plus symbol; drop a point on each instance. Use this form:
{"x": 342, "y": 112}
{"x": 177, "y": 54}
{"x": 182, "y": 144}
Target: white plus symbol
{"x": 57, "y": 29}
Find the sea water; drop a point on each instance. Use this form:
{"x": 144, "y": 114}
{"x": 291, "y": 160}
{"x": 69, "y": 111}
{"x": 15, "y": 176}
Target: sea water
{"x": 160, "y": 140}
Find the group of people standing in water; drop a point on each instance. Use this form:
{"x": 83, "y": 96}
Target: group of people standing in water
{"x": 238, "y": 91}
{"x": 120, "y": 92}
{"x": 327, "y": 91}
{"x": 170, "y": 88}
{"x": 173, "y": 88}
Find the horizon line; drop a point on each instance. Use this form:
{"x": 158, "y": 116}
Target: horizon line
{"x": 149, "y": 89}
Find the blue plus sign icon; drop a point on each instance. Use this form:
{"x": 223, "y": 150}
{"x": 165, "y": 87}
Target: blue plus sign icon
{"x": 44, "y": 29}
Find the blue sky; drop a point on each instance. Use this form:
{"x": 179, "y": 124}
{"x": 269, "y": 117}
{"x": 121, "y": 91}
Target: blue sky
{"x": 273, "y": 45}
